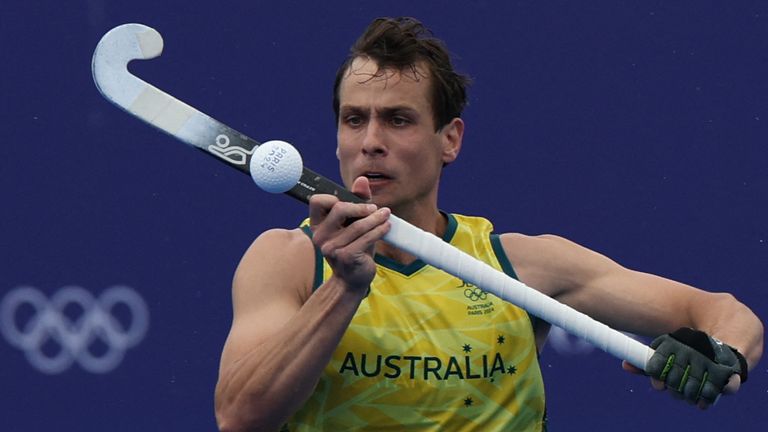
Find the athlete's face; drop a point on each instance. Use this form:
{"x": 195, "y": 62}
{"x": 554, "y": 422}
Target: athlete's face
{"x": 386, "y": 132}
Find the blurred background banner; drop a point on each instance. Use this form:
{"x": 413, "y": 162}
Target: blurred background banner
{"x": 636, "y": 128}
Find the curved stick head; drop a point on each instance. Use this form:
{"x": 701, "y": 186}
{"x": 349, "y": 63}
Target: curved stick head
{"x": 112, "y": 55}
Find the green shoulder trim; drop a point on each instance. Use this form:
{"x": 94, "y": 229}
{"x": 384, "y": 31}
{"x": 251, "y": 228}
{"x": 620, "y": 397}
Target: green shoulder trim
{"x": 450, "y": 230}
{"x": 498, "y": 249}
{"x": 318, "y": 261}
{"x": 506, "y": 266}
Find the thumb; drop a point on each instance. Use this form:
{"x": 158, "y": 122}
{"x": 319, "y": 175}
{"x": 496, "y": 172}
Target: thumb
{"x": 362, "y": 188}
{"x": 629, "y": 367}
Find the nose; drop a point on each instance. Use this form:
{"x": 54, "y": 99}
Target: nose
{"x": 374, "y": 140}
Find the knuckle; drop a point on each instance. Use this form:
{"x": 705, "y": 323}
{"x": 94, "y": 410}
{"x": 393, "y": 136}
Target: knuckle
{"x": 328, "y": 250}
{"x": 341, "y": 206}
{"x": 322, "y": 200}
{"x": 319, "y": 237}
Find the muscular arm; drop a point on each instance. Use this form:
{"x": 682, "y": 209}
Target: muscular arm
{"x": 630, "y": 300}
{"x": 282, "y": 334}
{"x": 278, "y": 344}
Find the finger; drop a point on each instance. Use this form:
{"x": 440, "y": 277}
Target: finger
{"x": 361, "y": 235}
{"x": 328, "y": 210}
{"x": 692, "y": 389}
{"x": 734, "y": 383}
{"x": 629, "y": 367}
{"x": 319, "y": 207}
{"x": 709, "y": 393}
{"x": 362, "y": 188}
{"x": 658, "y": 384}
{"x": 344, "y": 214}
{"x": 676, "y": 377}
{"x": 368, "y": 238}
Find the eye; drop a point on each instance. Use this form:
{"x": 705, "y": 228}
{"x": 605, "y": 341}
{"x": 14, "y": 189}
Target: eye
{"x": 353, "y": 120}
{"x": 400, "y": 121}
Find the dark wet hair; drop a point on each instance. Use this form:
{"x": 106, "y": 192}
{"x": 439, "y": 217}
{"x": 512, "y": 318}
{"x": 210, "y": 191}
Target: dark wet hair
{"x": 401, "y": 44}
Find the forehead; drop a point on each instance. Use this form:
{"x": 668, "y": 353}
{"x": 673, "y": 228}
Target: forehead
{"x": 365, "y": 83}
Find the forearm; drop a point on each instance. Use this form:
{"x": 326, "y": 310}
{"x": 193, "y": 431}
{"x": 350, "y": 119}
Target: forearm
{"x": 651, "y": 305}
{"x": 261, "y": 389}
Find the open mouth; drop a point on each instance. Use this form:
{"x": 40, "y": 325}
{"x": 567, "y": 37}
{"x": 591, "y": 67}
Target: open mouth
{"x": 375, "y": 176}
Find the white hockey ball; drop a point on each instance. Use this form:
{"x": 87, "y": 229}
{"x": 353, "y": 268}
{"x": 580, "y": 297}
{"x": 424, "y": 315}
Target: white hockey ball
{"x": 276, "y": 166}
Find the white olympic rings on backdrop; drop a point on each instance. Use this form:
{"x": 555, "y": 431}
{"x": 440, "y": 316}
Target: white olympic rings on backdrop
{"x": 96, "y": 323}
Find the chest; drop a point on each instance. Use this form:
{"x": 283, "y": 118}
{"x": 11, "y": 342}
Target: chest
{"x": 432, "y": 325}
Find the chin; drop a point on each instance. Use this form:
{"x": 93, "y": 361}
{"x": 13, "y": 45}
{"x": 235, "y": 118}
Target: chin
{"x": 381, "y": 200}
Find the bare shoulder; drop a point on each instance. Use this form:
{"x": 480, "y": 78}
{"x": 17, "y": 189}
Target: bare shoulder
{"x": 552, "y": 264}
{"x": 279, "y": 262}
{"x": 270, "y": 285}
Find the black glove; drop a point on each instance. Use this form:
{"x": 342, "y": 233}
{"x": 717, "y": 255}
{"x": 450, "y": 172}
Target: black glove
{"x": 695, "y": 365}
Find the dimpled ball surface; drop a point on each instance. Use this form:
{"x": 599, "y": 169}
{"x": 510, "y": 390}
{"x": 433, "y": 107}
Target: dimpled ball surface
{"x": 276, "y": 166}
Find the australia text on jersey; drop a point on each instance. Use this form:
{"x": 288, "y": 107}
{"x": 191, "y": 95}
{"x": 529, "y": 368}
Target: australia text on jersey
{"x": 425, "y": 367}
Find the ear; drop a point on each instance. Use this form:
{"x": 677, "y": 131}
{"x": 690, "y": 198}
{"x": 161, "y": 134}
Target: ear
{"x": 452, "y": 134}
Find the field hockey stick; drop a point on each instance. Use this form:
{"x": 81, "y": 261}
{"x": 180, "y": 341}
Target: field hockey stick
{"x": 130, "y": 42}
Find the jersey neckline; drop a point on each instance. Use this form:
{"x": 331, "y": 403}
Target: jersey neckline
{"x": 410, "y": 269}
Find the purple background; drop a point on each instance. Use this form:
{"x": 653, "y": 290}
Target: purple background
{"x": 635, "y": 128}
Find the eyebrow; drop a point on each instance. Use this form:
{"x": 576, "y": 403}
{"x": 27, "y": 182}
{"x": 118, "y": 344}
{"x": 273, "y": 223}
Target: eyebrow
{"x": 386, "y": 111}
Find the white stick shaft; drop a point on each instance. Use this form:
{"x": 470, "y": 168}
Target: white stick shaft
{"x": 437, "y": 253}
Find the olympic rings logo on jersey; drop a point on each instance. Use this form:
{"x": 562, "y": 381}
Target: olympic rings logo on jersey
{"x": 475, "y": 294}
{"x": 76, "y": 324}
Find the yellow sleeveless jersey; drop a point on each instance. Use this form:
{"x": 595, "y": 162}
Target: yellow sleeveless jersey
{"x": 427, "y": 351}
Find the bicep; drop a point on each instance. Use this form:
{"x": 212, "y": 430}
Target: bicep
{"x": 270, "y": 285}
